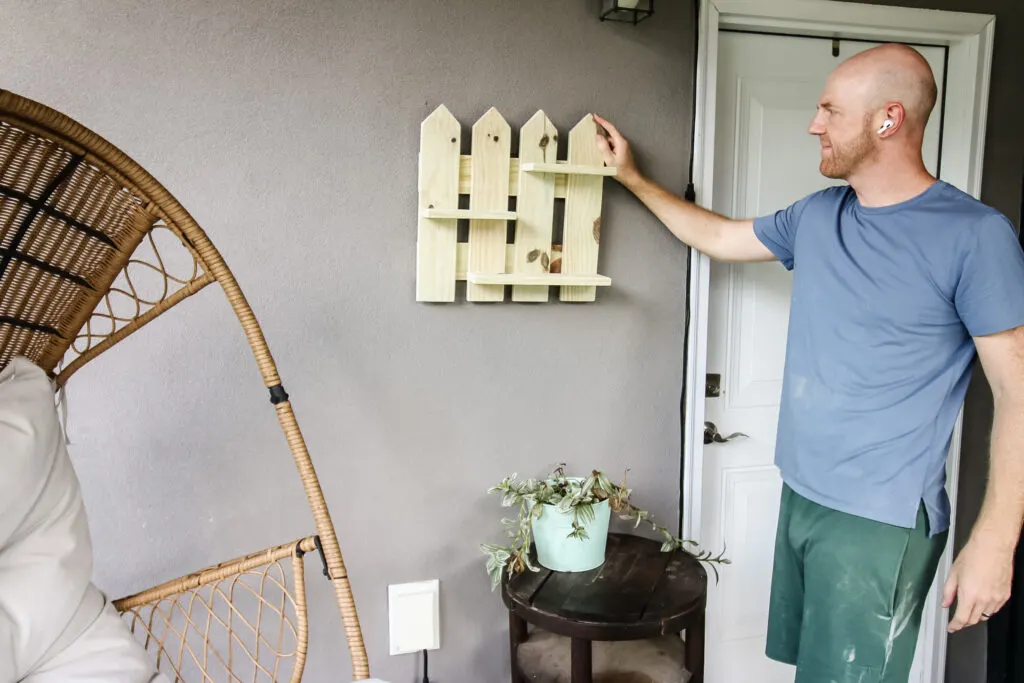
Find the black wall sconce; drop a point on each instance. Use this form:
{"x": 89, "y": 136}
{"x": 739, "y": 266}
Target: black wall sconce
{"x": 626, "y": 11}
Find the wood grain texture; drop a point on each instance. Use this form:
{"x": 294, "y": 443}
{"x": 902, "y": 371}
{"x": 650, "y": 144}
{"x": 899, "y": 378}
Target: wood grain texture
{"x": 566, "y": 169}
{"x": 538, "y": 142}
{"x": 492, "y": 144}
{"x": 469, "y": 213}
{"x": 462, "y": 258}
{"x": 466, "y": 171}
{"x": 582, "y": 231}
{"x": 542, "y": 279}
{"x": 440, "y": 136}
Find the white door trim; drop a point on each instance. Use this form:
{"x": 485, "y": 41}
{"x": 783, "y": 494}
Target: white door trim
{"x": 969, "y": 38}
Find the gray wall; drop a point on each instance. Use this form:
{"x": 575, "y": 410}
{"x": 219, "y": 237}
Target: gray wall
{"x": 290, "y": 129}
{"x": 1001, "y": 187}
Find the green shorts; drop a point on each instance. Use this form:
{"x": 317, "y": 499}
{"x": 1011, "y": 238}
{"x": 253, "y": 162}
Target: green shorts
{"x": 847, "y": 593}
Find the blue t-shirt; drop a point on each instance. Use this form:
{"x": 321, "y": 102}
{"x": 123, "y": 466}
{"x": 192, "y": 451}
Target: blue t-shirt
{"x": 884, "y": 306}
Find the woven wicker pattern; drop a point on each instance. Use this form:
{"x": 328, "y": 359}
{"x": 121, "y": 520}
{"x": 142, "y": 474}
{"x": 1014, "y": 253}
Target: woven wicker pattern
{"x": 242, "y": 621}
{"x": 85, "y": 260}
{"x": 62, "y": 224}
{"x": 144, "y": 282}
{"x": 160, "y": 273}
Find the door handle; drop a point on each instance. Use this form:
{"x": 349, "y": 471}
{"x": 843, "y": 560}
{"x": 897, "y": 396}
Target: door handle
{"x": 711, "y": 434}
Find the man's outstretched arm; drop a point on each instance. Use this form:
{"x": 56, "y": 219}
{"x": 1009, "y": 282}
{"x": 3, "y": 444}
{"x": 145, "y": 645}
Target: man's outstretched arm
{"x": 721, "y": 238}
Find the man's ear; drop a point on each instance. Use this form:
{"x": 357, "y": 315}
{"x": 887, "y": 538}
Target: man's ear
{"x": 894, "y": 117}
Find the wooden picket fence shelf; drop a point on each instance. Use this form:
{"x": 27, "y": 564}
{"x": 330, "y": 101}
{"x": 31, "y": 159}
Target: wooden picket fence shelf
{"x": 490, "y": 176}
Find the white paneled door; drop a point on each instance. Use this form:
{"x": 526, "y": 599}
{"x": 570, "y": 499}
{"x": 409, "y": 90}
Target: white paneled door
{"x": 768, "y": 87}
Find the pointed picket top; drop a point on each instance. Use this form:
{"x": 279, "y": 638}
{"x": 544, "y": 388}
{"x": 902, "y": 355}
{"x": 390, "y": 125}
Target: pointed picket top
{"x": 538, "y": 140}
{"x": 436, "y": 248}
{"x": 538, "y": 143}
{"x": 583, "y": 149}
{"x": 491, "y": 128}
{"x": 492, "y": 145}
{"x": 440, "y": 144}
{"x": 441, "y": 121}
{"x": 581, "y": 234}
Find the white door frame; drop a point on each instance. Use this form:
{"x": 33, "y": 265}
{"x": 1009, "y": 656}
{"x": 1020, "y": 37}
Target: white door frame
{"x": 969, "y": 38}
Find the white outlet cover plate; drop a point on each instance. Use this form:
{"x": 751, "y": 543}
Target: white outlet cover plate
{"x": 414, "y": 621}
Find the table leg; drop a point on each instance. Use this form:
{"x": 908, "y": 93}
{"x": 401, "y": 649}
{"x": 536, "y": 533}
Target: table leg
{"x": 516, "y": 635}
{"x": 582, "y": 663}
{"x": 695, "y": 651}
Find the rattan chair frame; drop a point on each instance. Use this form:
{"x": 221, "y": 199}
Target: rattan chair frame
{"x": 176, "y": 589}
{"x": 158, "y": 208}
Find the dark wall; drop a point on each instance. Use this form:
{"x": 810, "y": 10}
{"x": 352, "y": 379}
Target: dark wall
{"x": 1001, "y": 187}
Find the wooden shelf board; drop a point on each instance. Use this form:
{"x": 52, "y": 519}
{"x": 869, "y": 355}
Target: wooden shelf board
{"x": 549, "y": 279}
{"x": 470, "y": 214}
{"x": 567, "y": 169}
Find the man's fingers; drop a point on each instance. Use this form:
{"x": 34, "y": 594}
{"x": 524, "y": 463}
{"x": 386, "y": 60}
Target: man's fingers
{"x": 977, "y": 614}
{"x": 612, "y": 130}
{"x": 962, "y": 618}
{"x": 606, "y": 150}
{"x": 949, "y": 591}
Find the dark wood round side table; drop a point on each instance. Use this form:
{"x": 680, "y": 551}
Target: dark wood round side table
{"x": 639, "y": 592}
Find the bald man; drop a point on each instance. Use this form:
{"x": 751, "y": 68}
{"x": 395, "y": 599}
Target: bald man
{"x": 900, "y": 281}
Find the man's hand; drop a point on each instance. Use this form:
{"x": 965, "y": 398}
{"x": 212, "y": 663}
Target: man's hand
{"x": 981, "y": 576}
{"x": 617, "y": 154}
{"x": 980, "y": 581}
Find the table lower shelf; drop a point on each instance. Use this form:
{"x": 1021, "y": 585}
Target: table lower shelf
{"x": 543, "y": 657}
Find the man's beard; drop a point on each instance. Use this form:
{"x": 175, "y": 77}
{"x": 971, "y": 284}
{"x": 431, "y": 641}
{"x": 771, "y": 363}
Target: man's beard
{"x": 845, "y": 159}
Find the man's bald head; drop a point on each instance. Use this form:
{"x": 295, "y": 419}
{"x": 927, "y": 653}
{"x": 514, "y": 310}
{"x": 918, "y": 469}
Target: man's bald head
{"x": 889, "y": 82}
{"x": 893, "y": 73}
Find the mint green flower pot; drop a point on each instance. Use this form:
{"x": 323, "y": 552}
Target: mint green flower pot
{"x": 558, "y": 552}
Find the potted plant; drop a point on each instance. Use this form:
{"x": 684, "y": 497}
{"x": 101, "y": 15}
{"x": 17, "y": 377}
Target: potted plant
{"x": 567, "y": 518}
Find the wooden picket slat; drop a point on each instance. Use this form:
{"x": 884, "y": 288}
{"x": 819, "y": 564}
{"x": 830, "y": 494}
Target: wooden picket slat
{"x": 440, "y": 136}
{"x": 582, "y": 229}
{"x": 492, "y": 144}
{"x": 538, "y": 142}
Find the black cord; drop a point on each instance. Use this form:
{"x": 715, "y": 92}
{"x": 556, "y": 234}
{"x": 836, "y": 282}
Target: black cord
{"x": 691, "y": 196}
{"x": 426, "y": 677}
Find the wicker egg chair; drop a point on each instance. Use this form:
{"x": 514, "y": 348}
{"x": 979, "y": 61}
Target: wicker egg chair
{"x": 81, "y": 224}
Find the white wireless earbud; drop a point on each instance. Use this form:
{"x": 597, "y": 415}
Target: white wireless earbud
{"x": 886, "y": 126}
